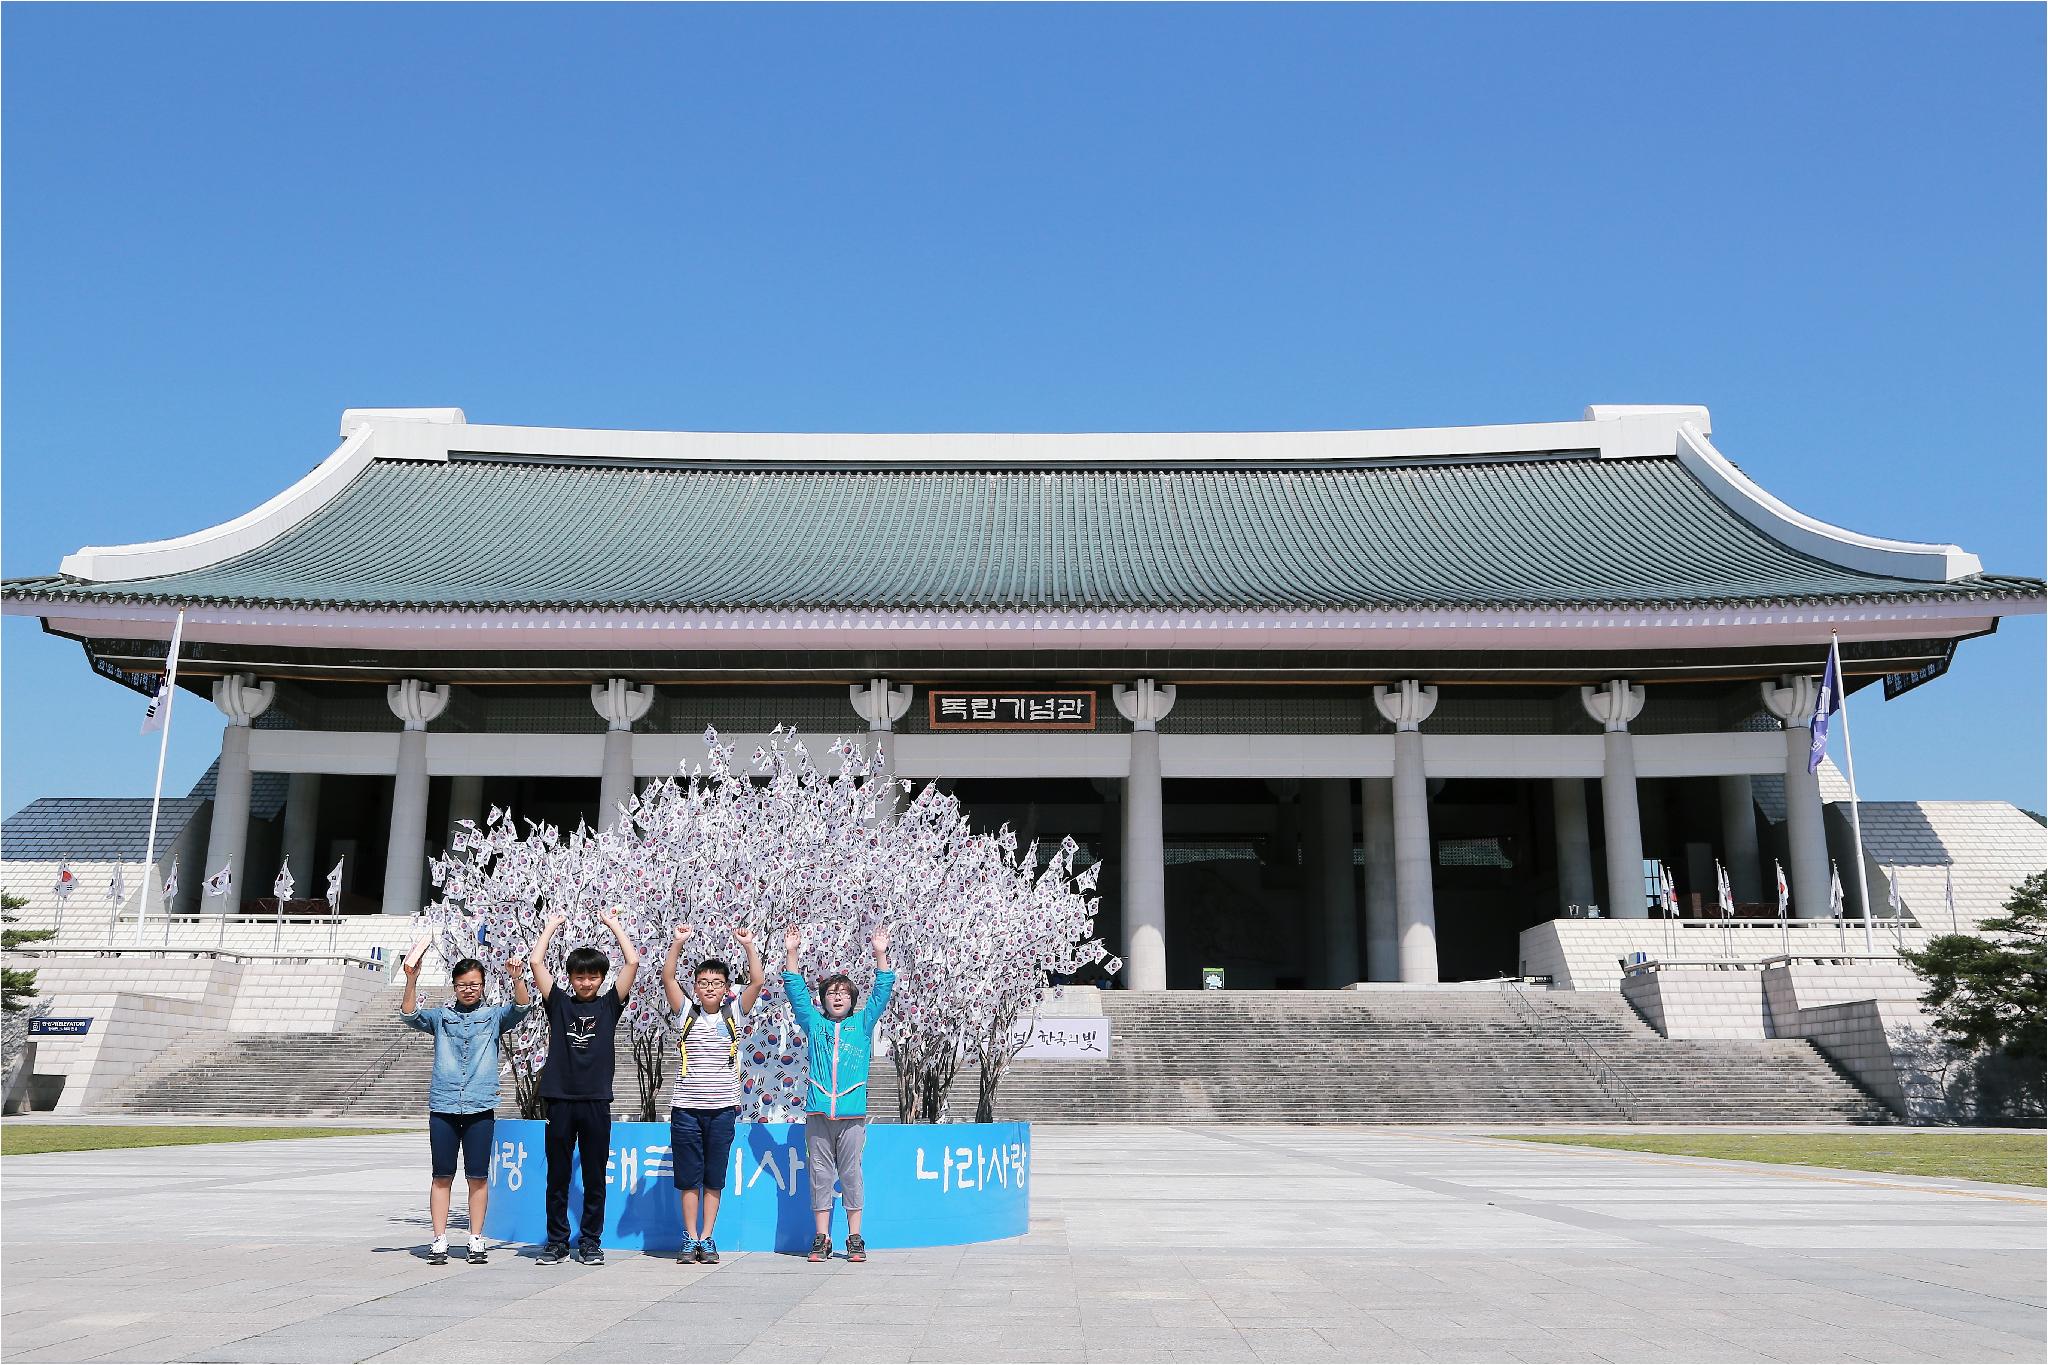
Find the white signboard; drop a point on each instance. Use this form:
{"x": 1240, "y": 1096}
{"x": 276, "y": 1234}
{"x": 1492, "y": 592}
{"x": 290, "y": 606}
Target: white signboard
{"x": 1065, "y": 1039}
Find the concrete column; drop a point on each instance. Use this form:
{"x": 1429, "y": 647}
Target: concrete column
{"x": 241, "y": 699}
{"x": 1574, "y": 843}
{"x": 881, "y": 706}
{"x": 1340, "y": 896}
{"x": 405, "y": 861}
{"x": 620, "y": 703}
{"x": 1406, "y": 707}
{"x": 1382, "y": 928}
{"x": 1614, "y": 706}
{"x": 465, "y": 802}
{"x": 301, "y": 830}
{"x": 1806, "y": 838}
{"x": 1738, "y": 835}
{"x": 1144, "y": 705}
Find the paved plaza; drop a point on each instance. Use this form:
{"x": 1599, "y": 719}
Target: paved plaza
{"x": 1157, "y": 1243}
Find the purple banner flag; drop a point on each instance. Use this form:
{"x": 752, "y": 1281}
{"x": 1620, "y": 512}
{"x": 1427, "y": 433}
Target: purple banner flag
{"x": 1826, "y": 702}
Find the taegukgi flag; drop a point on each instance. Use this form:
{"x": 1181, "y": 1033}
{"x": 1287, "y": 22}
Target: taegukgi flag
{"x": 1726, "y": 892}
{"x": 221, "y": 882}
{"x": 66, "y": 882}
{"x": 334, "y": 887}
{"x": 282, "y": 887}
{"x": 171, "y": 883}
{"x": 1836, "y": 900}
{"x": 1826, "y": 702}
{"x": 1784, "y": 891}
{"x": 117, "y": 888}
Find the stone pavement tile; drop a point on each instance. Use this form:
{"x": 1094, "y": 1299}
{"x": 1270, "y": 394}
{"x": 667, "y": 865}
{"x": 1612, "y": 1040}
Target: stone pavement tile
{"x": 299, "y": 1348}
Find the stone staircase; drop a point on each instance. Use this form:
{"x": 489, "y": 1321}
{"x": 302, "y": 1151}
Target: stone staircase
{"x": 1421, "y": 1056}
{"x": 373, "y": 1066}
{"x": 1454, "y": 1055}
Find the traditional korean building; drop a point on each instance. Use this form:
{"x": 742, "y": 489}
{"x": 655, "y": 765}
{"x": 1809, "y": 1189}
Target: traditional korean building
{"x": 1334, "y": 706}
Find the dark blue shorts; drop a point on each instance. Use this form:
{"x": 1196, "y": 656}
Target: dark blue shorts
{"x": 468, "y": 1133}
{"x": 702, "y": 1139}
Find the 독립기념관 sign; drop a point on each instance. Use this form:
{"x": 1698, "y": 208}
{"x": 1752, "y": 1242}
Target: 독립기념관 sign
{"x": 1024, "y": 709}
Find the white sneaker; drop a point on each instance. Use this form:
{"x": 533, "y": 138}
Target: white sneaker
{"x": 437, "y": 1253}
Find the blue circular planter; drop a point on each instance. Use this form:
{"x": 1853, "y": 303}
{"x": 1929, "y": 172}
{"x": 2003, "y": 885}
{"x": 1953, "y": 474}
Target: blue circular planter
{"x": 927, "y": 1185}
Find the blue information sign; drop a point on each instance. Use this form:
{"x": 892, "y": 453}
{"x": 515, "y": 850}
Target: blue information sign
{"x": 53, "y": 1026}
{"x": 926, "y": 1185}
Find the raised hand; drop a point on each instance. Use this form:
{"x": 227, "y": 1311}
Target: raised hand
{"x": 516, "y": 966}
{"x": 792, "y": 938}
{"x": 683, "y": 931}
{"x": 880, "y": 938}
{"x": 555, "y": 922}
{"x": 745, "y": 936}
{"x": 414, "y": 956}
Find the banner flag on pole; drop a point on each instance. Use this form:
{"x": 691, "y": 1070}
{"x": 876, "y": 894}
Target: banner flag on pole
{"x": 1891, "y": 893}
{"x": 1670, "y": 891}
{"x": 117, "y": 889}
{"x": 66, "y": 883}
{"x": 1727, "y": 892}
{"x": 221, "y": 882}
{"x": 1784, "y": 891}
{"x": 1826, "y": 702}
{"x": 171, "y": 885}
{"x": 1835, "y": 900}
{"x": 334, "y": 888}
{"x": 158, "y": 713}
{"x": 282, "y": 887}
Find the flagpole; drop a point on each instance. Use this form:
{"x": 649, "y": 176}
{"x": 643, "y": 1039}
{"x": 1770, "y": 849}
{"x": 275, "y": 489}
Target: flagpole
{"x": 156, "y": 797}
{"x": 1855, "y": 804}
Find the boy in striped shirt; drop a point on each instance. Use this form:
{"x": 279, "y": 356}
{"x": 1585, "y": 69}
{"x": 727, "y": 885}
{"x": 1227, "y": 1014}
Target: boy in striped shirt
{"x": 705, "y": 1104}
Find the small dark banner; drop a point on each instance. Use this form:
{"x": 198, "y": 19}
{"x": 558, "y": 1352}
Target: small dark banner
{"x": 48, "y": 1025}
{"x": 957, "y": 710}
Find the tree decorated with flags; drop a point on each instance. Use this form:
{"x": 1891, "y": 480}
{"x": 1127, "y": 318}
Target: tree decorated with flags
{"x": 976, "y": 926}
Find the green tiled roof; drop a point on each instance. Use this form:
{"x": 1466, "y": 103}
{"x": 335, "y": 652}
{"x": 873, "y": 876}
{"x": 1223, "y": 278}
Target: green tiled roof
{"x": 1552, "y": 531}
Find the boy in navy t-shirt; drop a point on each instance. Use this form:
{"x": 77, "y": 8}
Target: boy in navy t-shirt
{"x": 576, "y": 1082}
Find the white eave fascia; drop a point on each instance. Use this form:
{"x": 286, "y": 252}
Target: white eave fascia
{"x": 1910, "y": 559}
{"x": 181, "y": 554}
{"x": 1621, "y": 432}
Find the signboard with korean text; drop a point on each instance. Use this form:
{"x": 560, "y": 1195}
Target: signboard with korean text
{"x": 927, "y": 1185}
{"x": 1064, "y": 1039}
{"x": 52, "y": 1026}
{"x": 1897, "y": 685}
{"x": 1021, "y": 709}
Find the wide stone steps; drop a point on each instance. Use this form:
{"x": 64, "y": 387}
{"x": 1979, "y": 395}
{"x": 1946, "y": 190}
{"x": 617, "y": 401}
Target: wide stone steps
{"x": 1449, "y": 1056}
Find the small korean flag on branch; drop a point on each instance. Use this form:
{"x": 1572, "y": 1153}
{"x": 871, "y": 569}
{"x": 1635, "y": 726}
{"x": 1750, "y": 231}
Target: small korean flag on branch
{"x": 221, "y": 882}
{"x": 117, "y": 887}
{"x": 66, "y": 883}
{"x": 171, "y": 883}
{"x": 282, "y": 887}
{"x": 334, "y": 888}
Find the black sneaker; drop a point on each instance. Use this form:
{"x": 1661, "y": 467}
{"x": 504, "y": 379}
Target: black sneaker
{"x": 688, "y": 1254}
{"x": 479, "y": 1254}
{"x": 821, "y": 1248}
{"x": 437, "y": 1253}
{"x": 856, "y": 1248}
{"x": 554, "y": 1253}
{"x": 707, "y": 1252}
{"x": 590, "y": 1254}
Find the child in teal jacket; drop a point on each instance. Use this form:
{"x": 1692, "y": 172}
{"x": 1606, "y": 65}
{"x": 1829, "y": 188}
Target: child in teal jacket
{"x": 839, "y": 1045}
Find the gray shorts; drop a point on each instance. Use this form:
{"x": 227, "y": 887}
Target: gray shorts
{"x": 833, "y": 1147}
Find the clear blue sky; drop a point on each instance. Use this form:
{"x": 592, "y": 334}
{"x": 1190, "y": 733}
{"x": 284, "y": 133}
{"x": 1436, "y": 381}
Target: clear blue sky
{"x": 223, "y": 225}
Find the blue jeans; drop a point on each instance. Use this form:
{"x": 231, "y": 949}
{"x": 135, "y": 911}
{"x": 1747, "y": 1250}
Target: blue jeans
{"x": 702, "y": 1139}
{"x": 469, "y": 1134}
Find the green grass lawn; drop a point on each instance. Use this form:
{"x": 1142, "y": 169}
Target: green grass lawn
{"x": 24, "y": 1139}
{"x": 2002, "y": 1158}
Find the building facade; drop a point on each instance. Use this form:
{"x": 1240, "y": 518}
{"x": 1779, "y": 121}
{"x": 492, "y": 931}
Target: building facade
{"x": 1334, "y": 706}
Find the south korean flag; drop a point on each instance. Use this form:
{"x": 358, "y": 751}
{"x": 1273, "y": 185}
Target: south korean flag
{"x": 221, "y": 882}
